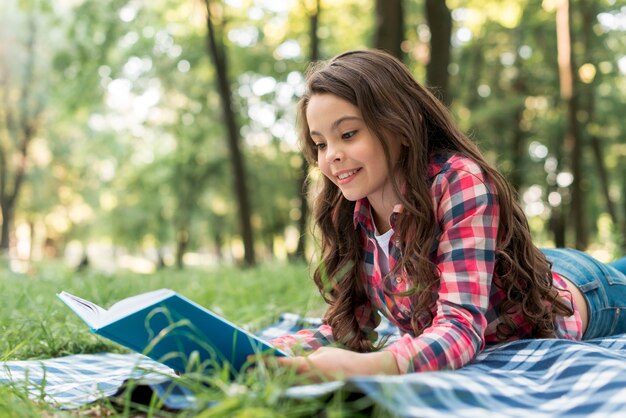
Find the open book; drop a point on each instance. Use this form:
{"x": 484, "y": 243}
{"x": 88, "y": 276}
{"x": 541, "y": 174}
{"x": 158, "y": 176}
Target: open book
{"x": 172, "y": 330}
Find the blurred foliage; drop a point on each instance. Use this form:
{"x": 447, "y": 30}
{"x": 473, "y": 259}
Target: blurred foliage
{"x": 133, "y": 151}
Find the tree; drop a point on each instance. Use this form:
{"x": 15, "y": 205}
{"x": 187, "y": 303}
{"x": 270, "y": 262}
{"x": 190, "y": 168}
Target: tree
{"x": 217, "y": 51}
{"x": 304, "y": 168}
{"x": 389, "y": 33}
{"x": 588, "y": 13}
{"x": 21, "y": 117}
{"x": 440, "y": 24}
{"x": 573, "y": 139}
{"x": 518, "y": 143}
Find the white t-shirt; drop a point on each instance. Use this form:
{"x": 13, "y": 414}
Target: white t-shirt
{"x": 383, "y": 244}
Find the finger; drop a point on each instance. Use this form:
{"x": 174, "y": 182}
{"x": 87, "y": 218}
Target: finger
{"x": 261, "y": 362}
{"x": 298, "y": 364}
{"x": 306, "y": 368}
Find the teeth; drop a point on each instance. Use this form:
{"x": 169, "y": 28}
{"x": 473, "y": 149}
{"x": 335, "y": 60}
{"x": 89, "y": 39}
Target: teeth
{"x": 346, "y": 174}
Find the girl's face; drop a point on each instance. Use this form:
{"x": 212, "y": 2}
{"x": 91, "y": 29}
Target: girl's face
{"x": 347, "y": 151}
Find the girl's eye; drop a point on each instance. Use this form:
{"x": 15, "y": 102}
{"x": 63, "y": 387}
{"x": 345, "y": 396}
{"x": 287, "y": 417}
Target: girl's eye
{"x": 348, "y": 135}
{"x": 320, "y": 146}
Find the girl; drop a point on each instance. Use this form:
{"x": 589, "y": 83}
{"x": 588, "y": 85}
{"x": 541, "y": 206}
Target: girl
{"x": 417, "y": 226}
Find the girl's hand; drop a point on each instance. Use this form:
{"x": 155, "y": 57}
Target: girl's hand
{"x": 329, "y": 363}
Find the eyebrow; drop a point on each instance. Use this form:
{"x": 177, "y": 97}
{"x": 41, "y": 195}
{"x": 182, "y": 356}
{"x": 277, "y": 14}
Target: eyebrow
{"x": 337, "y": 123}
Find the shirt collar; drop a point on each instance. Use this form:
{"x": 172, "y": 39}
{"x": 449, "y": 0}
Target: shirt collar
{"x": 363, "y": 215}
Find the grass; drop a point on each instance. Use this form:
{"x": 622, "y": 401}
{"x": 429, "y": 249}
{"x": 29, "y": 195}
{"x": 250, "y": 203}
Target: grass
{"x": 34, "y": 324}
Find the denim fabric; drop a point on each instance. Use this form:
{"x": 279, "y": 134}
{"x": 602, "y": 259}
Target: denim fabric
{"x": 619, "y": 265}
{"x": 603, "y": 286}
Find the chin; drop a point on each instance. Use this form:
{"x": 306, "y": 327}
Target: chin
{"x": 352, "y": 197}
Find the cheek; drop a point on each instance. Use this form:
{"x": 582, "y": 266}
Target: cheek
{"x": 325, "y": 169}
{"x": 322, "y": 165}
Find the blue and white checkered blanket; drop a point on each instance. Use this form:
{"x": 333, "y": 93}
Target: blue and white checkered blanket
{"x": 539, "y": 378}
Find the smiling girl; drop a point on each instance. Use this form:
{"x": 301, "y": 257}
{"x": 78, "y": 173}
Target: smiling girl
{"x": 417, "y": 226}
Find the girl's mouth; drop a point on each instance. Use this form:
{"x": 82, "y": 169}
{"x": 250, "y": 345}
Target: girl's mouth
{"x": 347, "y": 175}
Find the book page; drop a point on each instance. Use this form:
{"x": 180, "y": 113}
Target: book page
{"x": 86, "y": 310}
{"x": 97, "y": 317}
{"x": 133, "y": 304}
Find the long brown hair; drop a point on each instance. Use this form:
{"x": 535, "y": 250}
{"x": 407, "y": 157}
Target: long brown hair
{"x": 397, "y": 108}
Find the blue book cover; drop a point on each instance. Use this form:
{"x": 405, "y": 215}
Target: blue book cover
{"x": 172, "y": 330}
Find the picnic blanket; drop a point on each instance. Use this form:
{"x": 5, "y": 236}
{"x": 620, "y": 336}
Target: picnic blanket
{"x": 542, "y": 378}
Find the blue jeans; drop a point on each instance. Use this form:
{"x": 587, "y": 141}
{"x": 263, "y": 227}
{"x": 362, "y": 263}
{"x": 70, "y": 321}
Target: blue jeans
{"x": 619, "y": 265}
{"x": 603, "y": 286}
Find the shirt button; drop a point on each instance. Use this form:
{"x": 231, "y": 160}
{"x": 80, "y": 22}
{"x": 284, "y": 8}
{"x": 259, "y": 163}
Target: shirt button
{"x": 398, "y": 279}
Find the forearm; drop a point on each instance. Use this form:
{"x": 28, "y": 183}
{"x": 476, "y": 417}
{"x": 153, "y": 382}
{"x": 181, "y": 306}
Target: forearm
{"x": 336, "y": 363}
{"x": 383, "y": 362}
{"x": 438, "y": 348}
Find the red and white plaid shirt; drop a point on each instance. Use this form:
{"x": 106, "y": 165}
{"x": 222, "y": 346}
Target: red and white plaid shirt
{"x": 465, "y": 315}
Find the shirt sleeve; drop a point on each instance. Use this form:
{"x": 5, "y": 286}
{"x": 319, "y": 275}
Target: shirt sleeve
{"x": 306, "y": 339}
{"x": 312, "y": 339}
{"x": 467, "y": 210}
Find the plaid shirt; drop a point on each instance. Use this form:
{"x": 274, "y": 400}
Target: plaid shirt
{"x": 465, "y": 315}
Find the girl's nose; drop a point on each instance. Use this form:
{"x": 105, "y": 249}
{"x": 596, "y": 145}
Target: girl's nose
{"x": 334, "y": 153}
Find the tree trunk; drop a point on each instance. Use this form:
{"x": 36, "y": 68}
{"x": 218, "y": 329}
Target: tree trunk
{"x": 7, "y": 224}
{"x": 573, "y": 139}
{"x": 160, "y": 264}
{"x": 303, "y": 188}
{"x": 182, "y": 239}
{"x": 23, "y": 126}
{"x": 31, "y": 237}
{"x": 218, "y": 242}
{"x": 598, "y": 155}
{"x": 557, "y": 216}
{"x": 218, "y": 54}
{"x": 518, "y": 146}
{"x": 557, "y": 225}
{"x": 588, "y": 15}
{"x": 471, "y": 78}
{"x": 440, "y": 23}
{"x": 389, "y": 33}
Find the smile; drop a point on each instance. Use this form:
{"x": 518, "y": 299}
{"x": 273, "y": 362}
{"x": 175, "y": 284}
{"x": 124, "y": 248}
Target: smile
{"x": 347, "y": 174}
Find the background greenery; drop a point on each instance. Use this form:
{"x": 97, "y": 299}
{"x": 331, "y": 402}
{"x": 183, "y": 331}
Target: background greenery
{"x": 115, "y": 142}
